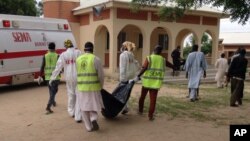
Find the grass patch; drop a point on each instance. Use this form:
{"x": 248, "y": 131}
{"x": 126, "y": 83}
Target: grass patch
{"x": 205, "y": 109}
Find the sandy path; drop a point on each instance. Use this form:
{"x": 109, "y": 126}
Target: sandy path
{"x": 23, "y": 119}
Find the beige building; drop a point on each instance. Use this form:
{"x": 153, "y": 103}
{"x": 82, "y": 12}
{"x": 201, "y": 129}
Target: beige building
{"x": 114, "y": 22}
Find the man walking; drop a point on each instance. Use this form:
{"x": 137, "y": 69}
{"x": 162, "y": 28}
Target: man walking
{"x": 237, "y": 74}
{"x": 177, "y": 60}
{"x": 67, "y": 63}
{"x": 195, "y": 66}
{"x": 221, "y": 65}
{"x": 153, "y": 71}
{"x": 90, "y": 79}
{"x": 48, "y": 65}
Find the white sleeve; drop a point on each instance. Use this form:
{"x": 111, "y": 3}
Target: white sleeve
{"x": 99, "y": 69}
{"x": 59, "y": 66}
{"x": 122, "y": 66}
{"x": 78, "y": 53}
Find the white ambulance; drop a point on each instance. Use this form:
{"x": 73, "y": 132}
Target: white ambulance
{"x": 23, "y": 42}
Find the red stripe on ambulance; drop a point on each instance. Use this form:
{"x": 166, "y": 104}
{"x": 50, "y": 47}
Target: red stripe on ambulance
{"x": 11, "y": 55}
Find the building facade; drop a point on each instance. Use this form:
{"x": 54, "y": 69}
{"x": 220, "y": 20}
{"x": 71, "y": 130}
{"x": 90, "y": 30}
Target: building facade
{"x": 108, "y": 23}
{"x": 231, "y": 41}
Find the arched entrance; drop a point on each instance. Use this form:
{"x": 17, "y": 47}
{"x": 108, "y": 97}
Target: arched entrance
{"x": 102, "y": 44}
{"x": 160, "y": 36}
{"x": 133, "y": 34}
{"x": 184, "y": 36}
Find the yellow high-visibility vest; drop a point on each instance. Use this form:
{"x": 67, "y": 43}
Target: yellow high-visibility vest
{"x": 154, "y": 75}
{"x": 87, "y": 77}
{"x": 50, "y": 64}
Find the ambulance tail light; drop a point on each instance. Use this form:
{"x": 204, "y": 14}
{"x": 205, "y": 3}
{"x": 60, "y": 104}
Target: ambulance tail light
{"x": 66, "y": 26}
{"x": 6, "y": 23}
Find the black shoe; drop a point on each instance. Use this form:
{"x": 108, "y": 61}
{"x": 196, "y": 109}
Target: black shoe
{"x": 140, "y": 113}
{"x": 124, "y": 112}
{"x": 78, "y": 121}
{"x": 240, "y": 102}
{"x": 95, "y": 125}
{"x": 49, "y": 111}
{"x": 54, "y": 104}
{"x": 151, "y": 118}
{"x": 234, "y": 105}
{"x": 192, "y": 100}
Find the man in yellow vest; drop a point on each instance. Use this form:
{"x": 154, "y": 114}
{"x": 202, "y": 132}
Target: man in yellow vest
{"x": 48, "y": 65}
{"x": 90, "y": 79}
{"x": 153, "y": 71}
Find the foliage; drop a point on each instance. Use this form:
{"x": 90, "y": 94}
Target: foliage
{"x": 186, "y": 51}
{"x": 206, "y": 46}
{"x": 21, "y": 7}
{"x": 39, "y": 8}
{"x": 239, "y": 10}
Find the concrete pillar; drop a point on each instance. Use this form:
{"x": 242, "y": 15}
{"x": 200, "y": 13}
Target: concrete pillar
{"x": 113, "y": 44}
{"x": 214, "y": 49}
{"x": 146, "y": 45}
{"x": 172, "y": 46}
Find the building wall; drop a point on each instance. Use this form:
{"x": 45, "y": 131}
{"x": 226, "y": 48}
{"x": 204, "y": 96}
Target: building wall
{"x": 89, "y": 27}
{"x": 62, "y": 9}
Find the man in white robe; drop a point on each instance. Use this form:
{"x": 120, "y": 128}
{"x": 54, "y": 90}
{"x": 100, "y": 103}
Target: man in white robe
{"x": 91, "y": 101}
{"x": 195, "y": 67}
{"x": 221, "y": 65}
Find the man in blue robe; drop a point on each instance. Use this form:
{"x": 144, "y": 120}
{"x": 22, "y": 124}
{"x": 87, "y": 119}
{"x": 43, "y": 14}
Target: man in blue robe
{"x": 195, "y": 67}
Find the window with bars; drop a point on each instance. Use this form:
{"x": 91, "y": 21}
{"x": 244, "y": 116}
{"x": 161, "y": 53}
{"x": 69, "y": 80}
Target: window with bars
{"x": 121, "y": 39}
{"x": 163, "y": 41}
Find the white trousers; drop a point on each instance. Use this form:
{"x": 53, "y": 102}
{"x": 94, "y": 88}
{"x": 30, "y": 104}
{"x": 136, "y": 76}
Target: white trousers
{"x": 73, "y": 106}
{"x": 88, "y": 117}
{"x": 220, "y": 83}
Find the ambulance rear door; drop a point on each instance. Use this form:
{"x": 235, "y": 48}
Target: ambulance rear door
{"x": 23, "y": 42}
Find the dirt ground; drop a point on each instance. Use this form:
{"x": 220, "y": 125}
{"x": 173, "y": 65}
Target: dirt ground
{"x": 23, "y": 118}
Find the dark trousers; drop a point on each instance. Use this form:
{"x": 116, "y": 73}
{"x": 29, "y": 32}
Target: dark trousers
{"x": 153, "y": 96}
{"x": 178, "y": 63}
{"x": 52, "y": 91}
{"x": 237, "y": 87}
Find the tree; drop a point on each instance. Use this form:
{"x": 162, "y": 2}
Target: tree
{"x": 20, "y": 7}
{"x": 186, "y": 51}
{"x": 239, "y": 10}
{"x": 39, "y": 8}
